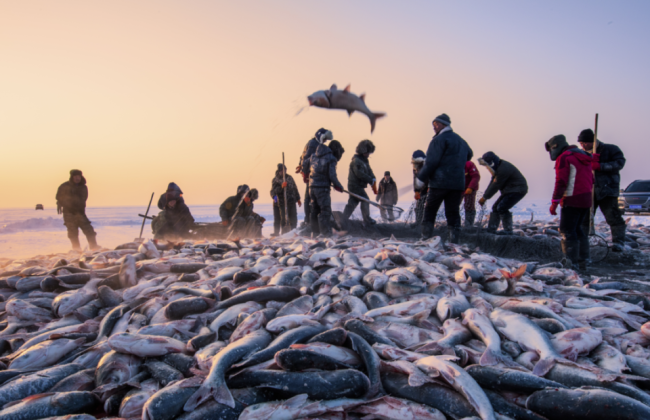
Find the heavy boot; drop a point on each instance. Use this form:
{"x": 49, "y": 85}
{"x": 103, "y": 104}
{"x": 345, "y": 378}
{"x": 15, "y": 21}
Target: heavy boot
{"x": 618, "y": 238}
{"x": 427, "y": 231}
{"x": 493, "y": 223}
{"x": 584, "y": 259}
{"x": 347, "y": 212}
{"x": 325, "y": 228}
{"x": 469, "y": 218}
{"x": 92, "y": 242}
{"x": 315, "y": 229}
{"x": 453, "y": 235}
{"x": 571, "y": 250}
{"x": 76, "y": 246}
{"x": 506, "y": 220}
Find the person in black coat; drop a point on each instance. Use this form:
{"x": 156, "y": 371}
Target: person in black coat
{"x": 71, "y": 201}
{"x": 322, "y": 176}
{"x": 607, "y": 162}
{"x": 420, "y": 189}
{"x": 227, "y": 208}
{"x": 507, "y": 179}
{"x": 444, "y": 170}
{"x": 175, "y": 219}
{"x": 387, "y": 196}
{"x": 321, "y": 137}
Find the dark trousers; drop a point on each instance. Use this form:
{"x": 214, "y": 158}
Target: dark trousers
{"x": 307, "y": 205}
{"x": 353, "y": 202}
{"x": 321, "y": 210}
{"x": 452, "y": 200}
{"x": 505, "y": 202}
{"x": 609, "y": 207}
{"x": 74, "y": 222}
{"x": 572, "y": 222}
{"x": 279, "y": 221}
{"x": 387, "y": 213}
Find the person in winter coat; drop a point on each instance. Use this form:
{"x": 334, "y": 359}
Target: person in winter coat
{"x": 573, "y": 185}
{"x": 420, "y": 191}
{"x": 513, "y": 186}
{"x": 245, "y": 223}
{"x": 71, "y": 201}
{"x": 472, "y": 178}
{"x": 387, "y": 196}
{"x": 278, "y": 186}
{"x": 607, "y": 162}
{"x": 227, "y": 208}
{"x": 175, "y": 219}
{"x": 444, "y": 170}
{"x": 359, "y": 177}
{"x": 322, "y": 175}
{"x": 321, "y": 137}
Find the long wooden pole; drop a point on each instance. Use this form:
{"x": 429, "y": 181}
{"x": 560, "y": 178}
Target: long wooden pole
{"x": 144, "y": 219}
{"x": 592, "y": 228}
{"x": 286, "y": 205}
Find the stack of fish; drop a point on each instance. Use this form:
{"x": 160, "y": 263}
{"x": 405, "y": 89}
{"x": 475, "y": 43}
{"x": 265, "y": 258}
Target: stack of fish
{"x": 298, "y": 328}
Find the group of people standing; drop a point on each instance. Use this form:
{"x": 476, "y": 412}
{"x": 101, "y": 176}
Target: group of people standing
{"x": 585, "y": 177}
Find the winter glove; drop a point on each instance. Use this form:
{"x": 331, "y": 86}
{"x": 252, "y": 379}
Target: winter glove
{"x": 595, "y": 161}
{"x": 284, "y": 184}
{"x": 59, "y": 209}
{"x": 224, "y": 222}
{"x": 417, "y": 195}
{"x": 305, "y": 178}
{"x": 374, "y": 187}
{"x": 469, "y": 191}
{"x": 275, "y": 199}
{"x": 298, "y": 169}
{"x": 339, "y": 189}
{"x": 262, "y": 220}
{"x": 481, "y": 201}
{"x": 553, "y": 209}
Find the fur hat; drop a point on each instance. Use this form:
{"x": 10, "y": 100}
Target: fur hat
{"x": 242, "y": 189}
{"x": 337, "y": 149}
{"x": 280, "y": 167}
{"x": 322, "y": 135}
{"x": 365, "y": 146}
{"x": 254, "y": 195}
{"x": 443, "y": 119}
{"x": 74, "y": 172}
{"x": 490, "y": 159}
{"x": 387, "y": 173}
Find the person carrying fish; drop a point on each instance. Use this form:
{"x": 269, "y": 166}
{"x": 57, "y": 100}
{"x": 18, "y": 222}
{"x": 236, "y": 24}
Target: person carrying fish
{"x": 444, "y": 171}
{"x": 71, "y": 200}
{"x": 175, "y": 219}
{"x": 607, "y": 162}
{"x": 322, "y": 135}
{"x": 573, "y": 184}
{"x": 387, "y": 196}
{"x": 513, "y": 186}
{"x": 472, "y": 178}
{"x": 278, "y": 186}
{"x": 322, "y": 175}
{"x": 245, "y": 222}
{"x": 359, "y": 177}
{"x": 417, "y": 160}
{"x": 227, "y": 208}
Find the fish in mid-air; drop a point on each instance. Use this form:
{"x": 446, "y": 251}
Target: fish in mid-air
{"x": 344, "y": 99}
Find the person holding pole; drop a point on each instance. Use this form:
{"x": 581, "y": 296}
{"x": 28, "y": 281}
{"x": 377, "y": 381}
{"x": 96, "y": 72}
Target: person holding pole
{"x": 285, "y": 195}
{"x": 322, "y": 176}
{"x": 321, "y": 137}
{"x": 359, "y": 177}
{"x": 607, "y": 162}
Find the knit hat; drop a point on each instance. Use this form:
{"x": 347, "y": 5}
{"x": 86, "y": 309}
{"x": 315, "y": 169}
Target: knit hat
{"x": 254, "y": 195}
{"x": 419, "y": 154}
{"x": 443, "y": 119}
{"x": 74, "y": 172}
{"x": 322, "y": 135}
{"x": 365, "y": 146}
{"x": 586, "y": 136}
{"x": 387, "y": 173}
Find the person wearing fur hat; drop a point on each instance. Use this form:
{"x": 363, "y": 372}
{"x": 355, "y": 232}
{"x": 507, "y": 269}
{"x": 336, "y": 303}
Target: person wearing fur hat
{"x": 359, "y": 177}
{"x": 322, "y": 177}
{"x": 71, "y": 200}
{"x": 321, "y": 137}
{"x": 387, "y": 196}
{"x": 280, "y": 182}
{"x": 420, "y": 189}
{"x": 245, "y": 222}
{"x": 444, "y": 171}
{"x": 227, "y": 208}
{"x": 507, "y": 179}
{"x": 607, "y": 162}
{"x": 175, "y": 219}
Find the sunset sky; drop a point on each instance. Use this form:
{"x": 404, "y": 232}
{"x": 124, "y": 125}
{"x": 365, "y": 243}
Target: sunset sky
{"x": 206, "y": 93}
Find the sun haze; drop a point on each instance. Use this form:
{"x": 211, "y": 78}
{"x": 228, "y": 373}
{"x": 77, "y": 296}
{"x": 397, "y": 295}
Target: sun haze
{"x": 208, "y": 94}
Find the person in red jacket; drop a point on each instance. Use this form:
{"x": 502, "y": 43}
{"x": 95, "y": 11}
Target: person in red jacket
{"x": 573, "y": 184}
{"x": 472, "y": 177}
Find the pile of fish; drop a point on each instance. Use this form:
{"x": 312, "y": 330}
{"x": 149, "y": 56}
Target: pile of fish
{"x": 299, "y": 328}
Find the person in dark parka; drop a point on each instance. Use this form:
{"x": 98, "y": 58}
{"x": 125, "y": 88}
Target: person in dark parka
{"x": 359, "y": 177}
{"x": 245, "y": 222}
{"x": 321, "y": 137}
{"x": 507, "y": 179}
{"x": 387, "y": 196}
{"x": 322, "y": 175}
{"x": 444, "y": 171}
{"x": 71, "y": 200}
{"x": 278, "y": 186}
{"x": 419, "y": 188}
{"x": 227, "y": 208}
{"x": 607, "y": 162}
{"x": 175, "y": 219}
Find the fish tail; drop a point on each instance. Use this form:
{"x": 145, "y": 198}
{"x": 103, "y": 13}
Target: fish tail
{"x": 222, "y": 395}
{"x": 490, "y": 358}
{"x": 544, "y": 366}
{"x": 374, "y": 118}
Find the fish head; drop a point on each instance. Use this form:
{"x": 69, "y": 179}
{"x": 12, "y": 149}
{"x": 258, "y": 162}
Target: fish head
{"x": 319, "y": 99}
